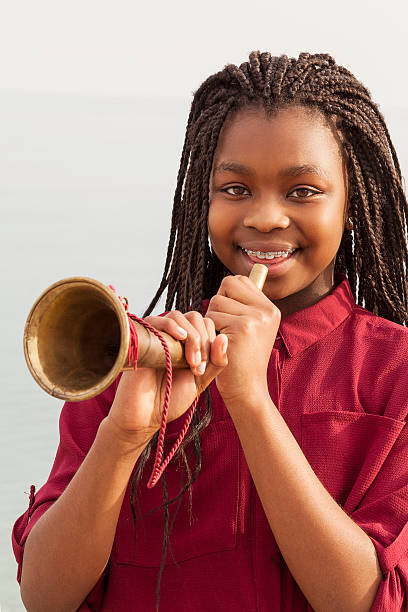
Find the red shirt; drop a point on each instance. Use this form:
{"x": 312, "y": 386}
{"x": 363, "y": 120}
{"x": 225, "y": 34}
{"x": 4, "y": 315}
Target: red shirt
{"x": 338, "y": 374}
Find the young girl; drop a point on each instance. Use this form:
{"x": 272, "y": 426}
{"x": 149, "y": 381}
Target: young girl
{"x": 290, "y": 491}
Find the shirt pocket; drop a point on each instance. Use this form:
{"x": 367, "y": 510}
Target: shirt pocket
{"x": 346, "y": 450}
{"x": 208, "y": 526}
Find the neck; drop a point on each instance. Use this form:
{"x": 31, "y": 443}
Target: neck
{"x": 309, "y": 295}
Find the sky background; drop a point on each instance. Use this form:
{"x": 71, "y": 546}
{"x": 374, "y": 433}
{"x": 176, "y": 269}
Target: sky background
{"x": 168, "y": 48}
{"x": 94, "y": 98}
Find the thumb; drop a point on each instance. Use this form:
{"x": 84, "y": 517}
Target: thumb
{"x": 217, "y": 362}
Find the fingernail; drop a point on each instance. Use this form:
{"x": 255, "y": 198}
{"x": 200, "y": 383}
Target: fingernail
{"x": 201, "y": 367}
{"x": 224, "y": 346}
{"x": 197, "y": 357}
{"x": 181, "y": 331}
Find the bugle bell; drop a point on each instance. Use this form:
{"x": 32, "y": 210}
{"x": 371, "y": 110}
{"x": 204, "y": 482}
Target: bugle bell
{"x": 76, "y": 338}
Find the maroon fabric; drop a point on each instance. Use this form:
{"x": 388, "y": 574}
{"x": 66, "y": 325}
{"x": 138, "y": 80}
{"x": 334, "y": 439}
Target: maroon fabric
{"x": 338, "y": 375}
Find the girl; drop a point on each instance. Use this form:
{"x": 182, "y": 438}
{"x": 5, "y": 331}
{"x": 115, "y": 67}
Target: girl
{"x": 296, "y": 490}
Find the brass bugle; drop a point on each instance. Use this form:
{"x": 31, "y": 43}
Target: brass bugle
{"x": 76, "y": 338}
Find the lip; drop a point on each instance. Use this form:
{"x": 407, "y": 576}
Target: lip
{"x": 274, "y": 269}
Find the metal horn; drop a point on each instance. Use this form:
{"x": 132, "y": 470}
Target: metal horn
{"x": 76, "y": 338}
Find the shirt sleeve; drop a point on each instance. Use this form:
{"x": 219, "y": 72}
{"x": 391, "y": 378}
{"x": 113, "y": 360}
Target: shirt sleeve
{"x": 383, "y": 515}
{"x": 78, "y": 425}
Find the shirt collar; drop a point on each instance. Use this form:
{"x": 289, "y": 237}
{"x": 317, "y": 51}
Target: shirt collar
{"x": 305, "y": 327}
{"x": 301, "y": 329}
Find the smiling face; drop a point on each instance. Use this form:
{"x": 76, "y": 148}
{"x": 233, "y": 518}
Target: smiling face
{"x": 277, "y": 184}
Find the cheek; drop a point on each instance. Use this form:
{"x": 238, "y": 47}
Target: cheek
{"x": 219, "y": 227}
{"x": 326, "y": 227}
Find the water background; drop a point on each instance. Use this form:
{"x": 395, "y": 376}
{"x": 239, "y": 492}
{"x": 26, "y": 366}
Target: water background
{"x": 86, "y": 187}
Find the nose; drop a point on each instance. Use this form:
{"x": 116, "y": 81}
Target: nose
{"x": 266, "y": 214}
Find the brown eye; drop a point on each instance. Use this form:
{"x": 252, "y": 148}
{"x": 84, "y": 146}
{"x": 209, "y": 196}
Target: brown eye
{"x": 303, "y": 192}
{"x": 236, "y": 190}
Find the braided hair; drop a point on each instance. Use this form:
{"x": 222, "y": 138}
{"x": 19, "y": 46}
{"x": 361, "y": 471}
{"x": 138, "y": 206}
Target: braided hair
{"x": 377, "y": 205}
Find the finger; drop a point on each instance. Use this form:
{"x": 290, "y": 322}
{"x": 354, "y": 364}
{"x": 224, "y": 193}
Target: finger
{"x": 222, "y": 303}
{"x": 211, "y": 335}
{"x": 168, "y": 325}
{"x": 197, "y": 321}
{"x": 210, "y": 329}
{"x": 222, "y": 321}
{"x": 219, "y": 349}
{"x": 193, "y": 338}
{"x": 218, "y": 361}
{"x": 176, "y": 324}
{"x": 242, "y": 289}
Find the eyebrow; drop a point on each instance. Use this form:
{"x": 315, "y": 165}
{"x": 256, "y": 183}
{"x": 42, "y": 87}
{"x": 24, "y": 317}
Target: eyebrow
{"x": 233, "y": 167}
{"x": 230, "y": 166}
{"x": 304, "y": 169}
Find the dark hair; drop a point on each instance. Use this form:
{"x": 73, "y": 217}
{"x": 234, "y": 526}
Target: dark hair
{"x": 373, "y": 255}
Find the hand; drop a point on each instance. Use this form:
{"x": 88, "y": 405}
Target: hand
{"x": 137, "y": 409}
{"x": 250, "y": 321}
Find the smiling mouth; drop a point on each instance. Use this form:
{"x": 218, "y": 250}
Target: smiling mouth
{"x": 268, "y": 258}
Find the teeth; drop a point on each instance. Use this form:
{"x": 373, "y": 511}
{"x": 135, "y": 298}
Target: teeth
{"x": 269, "y": 254}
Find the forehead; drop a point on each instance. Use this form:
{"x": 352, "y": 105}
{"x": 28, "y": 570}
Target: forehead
{"x": 292, "y": 136}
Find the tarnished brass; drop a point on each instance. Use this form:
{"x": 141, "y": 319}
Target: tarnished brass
{"x": 76, "y": 339}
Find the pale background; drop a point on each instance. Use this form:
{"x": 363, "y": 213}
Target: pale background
{"x": 94, "y": 98}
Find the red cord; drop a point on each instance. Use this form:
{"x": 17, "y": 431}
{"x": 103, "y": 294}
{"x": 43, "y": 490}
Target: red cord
{"x": 159, "y": 465}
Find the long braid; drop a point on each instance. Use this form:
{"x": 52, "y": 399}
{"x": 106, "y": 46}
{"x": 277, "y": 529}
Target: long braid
{"x": 374, "y": 255}
{"x": 313, "y": 81}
